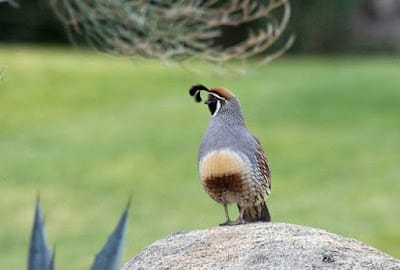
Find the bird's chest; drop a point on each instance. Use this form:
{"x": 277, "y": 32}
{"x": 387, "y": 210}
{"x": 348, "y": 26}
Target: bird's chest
{"x": 224, "y": 175}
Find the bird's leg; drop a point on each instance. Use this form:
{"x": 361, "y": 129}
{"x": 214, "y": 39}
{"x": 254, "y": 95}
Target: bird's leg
{"x": 228, "y": 220}
{"x": 240, "y": 219}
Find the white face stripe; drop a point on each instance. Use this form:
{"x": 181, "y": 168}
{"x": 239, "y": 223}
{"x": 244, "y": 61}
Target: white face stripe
{"x": 218, "y": 107}
{"x": 216, "y": 95}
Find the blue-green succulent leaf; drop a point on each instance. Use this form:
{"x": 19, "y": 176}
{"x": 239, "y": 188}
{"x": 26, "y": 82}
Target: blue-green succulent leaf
{"x": 109, "y": 258}
{"x": 39, "y": 252}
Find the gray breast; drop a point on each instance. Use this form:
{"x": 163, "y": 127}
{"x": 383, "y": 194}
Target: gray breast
{"x": 235, "y": 138}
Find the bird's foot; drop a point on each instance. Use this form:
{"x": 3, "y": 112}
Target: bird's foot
{"x": 232, "y": 223}
{"x": 239, "y": 221}
{"x": 227, "y": 223}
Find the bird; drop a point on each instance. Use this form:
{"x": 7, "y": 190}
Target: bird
{"x": 232, "y": 164}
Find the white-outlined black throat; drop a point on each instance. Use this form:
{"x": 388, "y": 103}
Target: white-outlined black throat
{"x": 214, "y": 103}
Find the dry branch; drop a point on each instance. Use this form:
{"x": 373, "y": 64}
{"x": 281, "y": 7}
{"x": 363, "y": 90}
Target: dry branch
{"x": 178, "y": 29}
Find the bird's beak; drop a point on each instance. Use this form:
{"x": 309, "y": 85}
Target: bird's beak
{"x": 207, "y": 102}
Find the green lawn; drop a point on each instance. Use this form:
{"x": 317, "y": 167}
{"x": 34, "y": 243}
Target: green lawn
{"x": 87, "y": 130}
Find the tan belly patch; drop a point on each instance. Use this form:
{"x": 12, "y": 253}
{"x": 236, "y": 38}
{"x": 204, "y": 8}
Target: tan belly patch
{"x": 223, "y": 175}
{"x": 220, "y": 163}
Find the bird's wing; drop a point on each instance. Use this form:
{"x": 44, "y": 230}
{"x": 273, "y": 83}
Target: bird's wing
{"x": 263, "y": 165}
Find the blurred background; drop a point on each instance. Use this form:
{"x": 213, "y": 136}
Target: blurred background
{"x": 87, "y": 130}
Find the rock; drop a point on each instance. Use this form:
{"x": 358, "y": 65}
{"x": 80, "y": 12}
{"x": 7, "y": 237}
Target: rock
{"x": 260, "y": 246}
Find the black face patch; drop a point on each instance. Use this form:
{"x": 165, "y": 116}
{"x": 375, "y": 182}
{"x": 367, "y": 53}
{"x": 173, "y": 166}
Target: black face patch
{"x": 214, "y": 104}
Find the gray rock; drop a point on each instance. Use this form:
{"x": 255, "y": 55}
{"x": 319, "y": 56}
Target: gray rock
{"x": 260, "y": 246}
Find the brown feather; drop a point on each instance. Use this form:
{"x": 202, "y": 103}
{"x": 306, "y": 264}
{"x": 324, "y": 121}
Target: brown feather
{"x": 263, "y": 165}
{"x": 223, "y": 92}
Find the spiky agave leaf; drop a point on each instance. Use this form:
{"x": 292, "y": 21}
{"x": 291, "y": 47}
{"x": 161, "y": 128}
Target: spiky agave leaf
{"x": 109, "y": 258}
{"x": 40, "y": 257}
{"x": 52, "y": 260}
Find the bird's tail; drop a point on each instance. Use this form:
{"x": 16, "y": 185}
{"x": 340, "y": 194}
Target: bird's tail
{"x": 257, "y": 212}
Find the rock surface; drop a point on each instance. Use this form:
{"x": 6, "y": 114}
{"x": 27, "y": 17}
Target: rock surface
{"x": 260, "y": 246}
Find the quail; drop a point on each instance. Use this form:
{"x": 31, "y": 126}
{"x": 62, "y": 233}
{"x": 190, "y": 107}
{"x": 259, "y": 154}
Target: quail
{"x": 232, "y": 165}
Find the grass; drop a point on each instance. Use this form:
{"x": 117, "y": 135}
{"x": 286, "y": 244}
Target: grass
{"x": 87, "y": 130}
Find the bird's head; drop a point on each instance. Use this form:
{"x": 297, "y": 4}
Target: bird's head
{"x": 219, "y": 100}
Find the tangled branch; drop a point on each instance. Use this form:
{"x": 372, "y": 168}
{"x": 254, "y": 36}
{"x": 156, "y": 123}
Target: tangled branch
{"x": 177, "y": 29}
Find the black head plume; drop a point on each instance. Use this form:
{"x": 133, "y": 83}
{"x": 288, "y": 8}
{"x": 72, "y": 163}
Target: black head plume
{"x": 195, "y": 91}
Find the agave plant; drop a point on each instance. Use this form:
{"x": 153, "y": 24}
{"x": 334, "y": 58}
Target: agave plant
{"x": 109, "y": 258}
{"x": 40, "y": 255}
